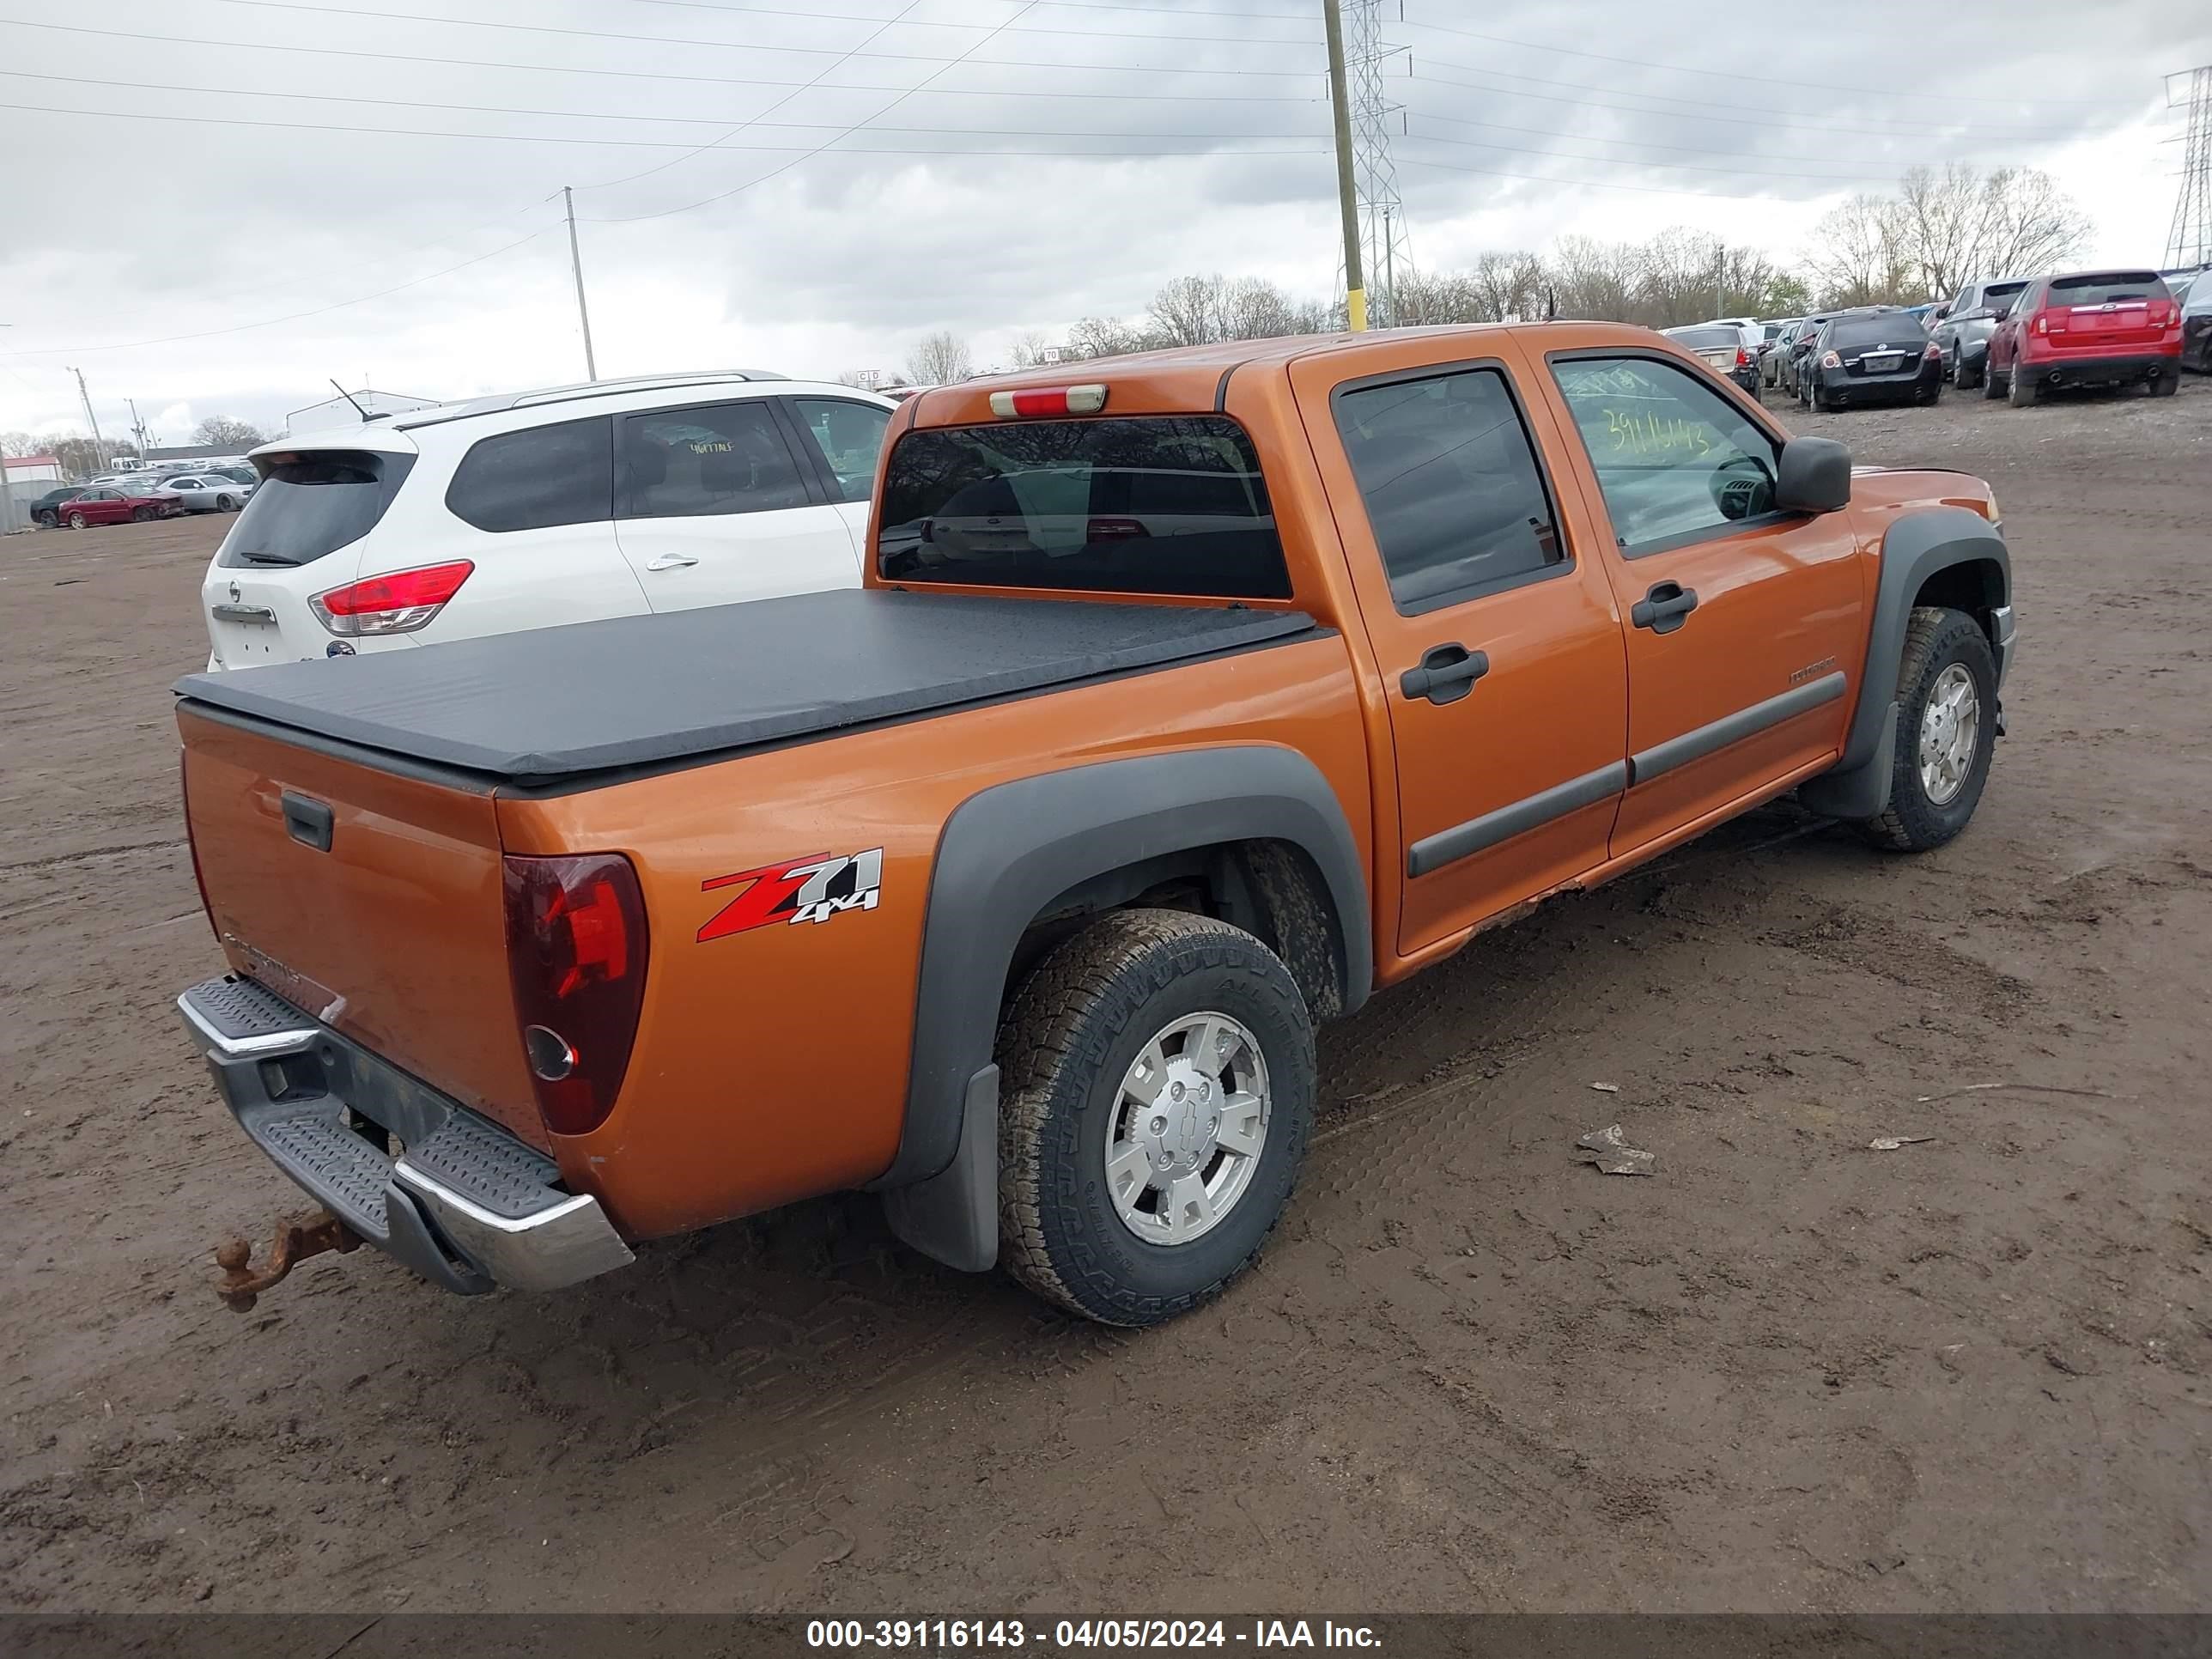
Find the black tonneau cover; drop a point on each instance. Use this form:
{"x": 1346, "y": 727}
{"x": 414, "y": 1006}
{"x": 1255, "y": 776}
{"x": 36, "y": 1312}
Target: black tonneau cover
{"x": 538, "y": 707}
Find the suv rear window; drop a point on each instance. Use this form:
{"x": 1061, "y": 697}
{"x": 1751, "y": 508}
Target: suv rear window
{"x": 1142, "y": 504}
{"x": 2103, "y": 287}
{"x": 313, "y": 503}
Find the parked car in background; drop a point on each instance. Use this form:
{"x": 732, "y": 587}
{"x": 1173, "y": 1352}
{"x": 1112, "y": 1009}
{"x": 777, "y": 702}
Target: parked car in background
{"x": 46, "y": 509}
{"x": 2196, "y": 303}
{"x": 1962, "y": 331}
{"x": 2086, "y": 328}
{"x": 1871, "y": 357}
{"x": 202, "y": 492}
{"x": 1720, "y": 346}
{"x": 1789, "y": 372}
{"x": 529, "y": 509}
{"x": 114, "y": 504}
{"x": 1771, "y": 335}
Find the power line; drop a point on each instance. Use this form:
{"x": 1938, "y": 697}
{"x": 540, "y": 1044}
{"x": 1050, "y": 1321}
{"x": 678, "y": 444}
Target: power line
{"x": 932, "y": 23}
{"x": 1735, "y": 77}
{"x": 643, "y": 143}
{"x": 655, "y": 75}
{"x": 1698, "y": 114}
{"x": 722, "y": 45}
{"x": 297, "y": 316}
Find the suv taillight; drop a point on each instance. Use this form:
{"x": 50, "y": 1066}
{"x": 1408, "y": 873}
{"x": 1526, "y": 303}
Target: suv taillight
{"x": 575, "y": 956}
{"x": 1743, "y": 360}
{"x": 398, "y": 603}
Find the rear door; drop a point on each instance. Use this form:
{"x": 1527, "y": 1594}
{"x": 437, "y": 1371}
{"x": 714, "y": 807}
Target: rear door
{"x": 1746, "y": 623}
{"x": 1497, "y": 636}
{"x": 715, "y": 505}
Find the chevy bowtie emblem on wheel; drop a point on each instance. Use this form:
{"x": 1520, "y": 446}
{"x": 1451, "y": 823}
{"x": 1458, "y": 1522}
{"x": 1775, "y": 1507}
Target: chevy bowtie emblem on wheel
{"x": 811, "y": 889}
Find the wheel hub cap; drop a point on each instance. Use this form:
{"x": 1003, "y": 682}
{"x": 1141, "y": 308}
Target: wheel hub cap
{"x": 1950, "y": 733}
{"x": 1187, "y": 1127}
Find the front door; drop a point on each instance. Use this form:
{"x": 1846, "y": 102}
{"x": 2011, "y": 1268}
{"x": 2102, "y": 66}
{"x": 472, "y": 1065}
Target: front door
{"x": 1496, "y": 635}
{"x": 1747, "y": 625}
{"x": 712, "y": 507}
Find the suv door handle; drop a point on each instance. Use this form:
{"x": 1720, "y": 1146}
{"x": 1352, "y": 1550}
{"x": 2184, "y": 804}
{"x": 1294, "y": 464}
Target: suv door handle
{"x": 1447, "y": 673}
{"x": 671, "y": 561}
{"x": 1665, "y": 608}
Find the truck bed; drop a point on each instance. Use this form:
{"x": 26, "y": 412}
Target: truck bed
{"x": 540, "y": 708}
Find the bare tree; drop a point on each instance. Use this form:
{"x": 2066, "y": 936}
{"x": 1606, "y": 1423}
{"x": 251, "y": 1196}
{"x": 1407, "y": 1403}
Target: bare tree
{"x": 1030, "y": 347}
{"x": 228, "y": 429}
{"x": 1944, "y": 229}
{"x": 2027, "y": 224}
{"x": 940, "y": 359}
{"x": 1252, "y": 309}
{"x": 1187, "y": 311}
{"x": 1588, "y": 278}
{"x": 1859, "y": 254}
{"x": 1106, "y": 337}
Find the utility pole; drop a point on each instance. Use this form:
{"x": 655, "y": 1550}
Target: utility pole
{"x": 576, "y": 264}
{"x": 92, "y": 420}
{"x": 2189, "y": 242}
{"x": 138, "y": 428}
{"x": 1355, "y": 289}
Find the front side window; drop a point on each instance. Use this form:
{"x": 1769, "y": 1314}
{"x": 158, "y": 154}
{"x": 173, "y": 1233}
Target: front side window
{"x": 1450, "y": 484}
{"x": 1675, "y": 461}
{"x": 534, "y": 479}
{"x": 1143, "y": 504}
{"x": 697, "y": 463}
{"x": 850, "y": 436}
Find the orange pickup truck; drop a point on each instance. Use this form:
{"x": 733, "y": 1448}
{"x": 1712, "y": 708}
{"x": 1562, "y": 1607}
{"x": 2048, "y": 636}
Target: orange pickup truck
{"x": 1191, "y": 698}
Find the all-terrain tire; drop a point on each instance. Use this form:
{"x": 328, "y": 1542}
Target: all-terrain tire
{"x": 1935, "y": 639}
{"x": 1067, "y": 1044}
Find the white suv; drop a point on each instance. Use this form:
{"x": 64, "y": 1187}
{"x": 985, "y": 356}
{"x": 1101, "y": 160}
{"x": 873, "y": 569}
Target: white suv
{"x": 541, "y": 507}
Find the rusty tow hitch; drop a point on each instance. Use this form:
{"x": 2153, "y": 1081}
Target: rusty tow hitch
{"x": 298, "y": 1237}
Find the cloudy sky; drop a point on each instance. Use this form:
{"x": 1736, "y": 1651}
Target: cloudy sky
{"x": 216, "y": 206}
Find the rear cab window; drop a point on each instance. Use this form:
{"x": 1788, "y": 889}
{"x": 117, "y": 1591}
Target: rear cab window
{"x": 310, "y": 503}
{"x": 1165, "y": 504}
{"x": 536, "y": 479}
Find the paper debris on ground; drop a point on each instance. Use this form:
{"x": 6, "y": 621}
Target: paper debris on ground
{"x": 1615, "y": 1155}
{"x": 1891, "y": 1143}
{"x": 1607, "y": 1088}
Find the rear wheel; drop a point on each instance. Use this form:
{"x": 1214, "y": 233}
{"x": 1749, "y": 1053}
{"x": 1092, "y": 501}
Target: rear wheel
{"x": 1992, "y": 386}
{"x": 2204, "y": 355}
{"x": 1947, "y": 695}
{"x": 225, "y": 503}
{"x": 2165, "y": 386}
{"x": 2020, "y": 388}
{"x": 1818, "y": 397}
{"x": 48, "y": 517}
{"x": 1158, "y": 1074}
{"x": 76, "y": 521}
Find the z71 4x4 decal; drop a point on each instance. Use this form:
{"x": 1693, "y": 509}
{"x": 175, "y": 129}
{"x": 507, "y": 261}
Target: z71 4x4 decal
{"x": 810, "y": 888}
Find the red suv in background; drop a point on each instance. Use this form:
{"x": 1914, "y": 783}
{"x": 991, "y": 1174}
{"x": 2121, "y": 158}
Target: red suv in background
{"x": 2087, "y": 328}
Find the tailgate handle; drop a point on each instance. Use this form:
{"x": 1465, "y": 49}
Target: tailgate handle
{"x": 251, "y": 613}
{"x": 307, "y": 821}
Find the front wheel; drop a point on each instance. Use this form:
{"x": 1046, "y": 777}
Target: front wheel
{"x": 1947, "y": 696}
{"x": 142, "y": 515}
{"x": 1159, "y": 1089}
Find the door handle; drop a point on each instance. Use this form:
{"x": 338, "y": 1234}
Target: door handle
{"x": 1665, "y": 608}
{"x": 671, "y": 561}
{"x": 1447, "y": 673}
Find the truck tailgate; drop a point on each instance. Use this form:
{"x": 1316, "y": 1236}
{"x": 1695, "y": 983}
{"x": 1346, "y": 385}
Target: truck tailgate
{"x": 393, "y": 930}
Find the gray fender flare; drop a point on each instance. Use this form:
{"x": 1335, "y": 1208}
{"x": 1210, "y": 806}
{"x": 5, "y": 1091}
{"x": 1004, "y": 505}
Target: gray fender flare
{"x": 1915, "y": 547}
{"x": 1008, "y": 852}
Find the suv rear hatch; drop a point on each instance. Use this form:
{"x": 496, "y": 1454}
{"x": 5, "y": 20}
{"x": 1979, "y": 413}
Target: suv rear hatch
{"x": 2106, "y": 312}
{"x": 299, "y": 536}
{"x": 370, "y": 899}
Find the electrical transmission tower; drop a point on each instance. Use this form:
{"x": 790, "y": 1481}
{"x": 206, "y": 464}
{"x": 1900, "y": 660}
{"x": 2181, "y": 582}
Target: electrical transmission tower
{"x": 1383, "y": 246}
{"x": 2190, "y": 241}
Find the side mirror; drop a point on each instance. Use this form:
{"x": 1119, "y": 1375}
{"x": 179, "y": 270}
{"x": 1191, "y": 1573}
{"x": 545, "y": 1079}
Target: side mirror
{"x": 1815, "y": 477}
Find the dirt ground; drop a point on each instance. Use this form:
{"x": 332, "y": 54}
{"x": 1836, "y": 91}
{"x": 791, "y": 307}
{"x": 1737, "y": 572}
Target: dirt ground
{"x": 1789, "y": 1372}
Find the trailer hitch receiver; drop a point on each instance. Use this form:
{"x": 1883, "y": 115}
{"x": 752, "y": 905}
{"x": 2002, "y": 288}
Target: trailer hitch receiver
{"x": 298, "y": 1237}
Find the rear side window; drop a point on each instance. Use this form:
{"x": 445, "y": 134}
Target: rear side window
{"x": 716, "y": 459}
{"x": 1145, "y": 504}
{"x": 2104, "y": 287}
{"x": 313, "y": 503}
{"x": 1450, "y": 484}
{"x": 536, "y": 479}
{"x": 850, "y": 436}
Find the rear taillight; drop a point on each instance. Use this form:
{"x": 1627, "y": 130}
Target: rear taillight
{"x": 1048, "y": 400}
{"x": 2049, "y": 322}
{"x": 1829, "y": 360}
{"x": 1933, "y": 351}
{"x": 1742, "y": 358}
{"x": 575, "y": 956}
{"x": 193, "y": 841}
{"x": 398, "y": 603}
